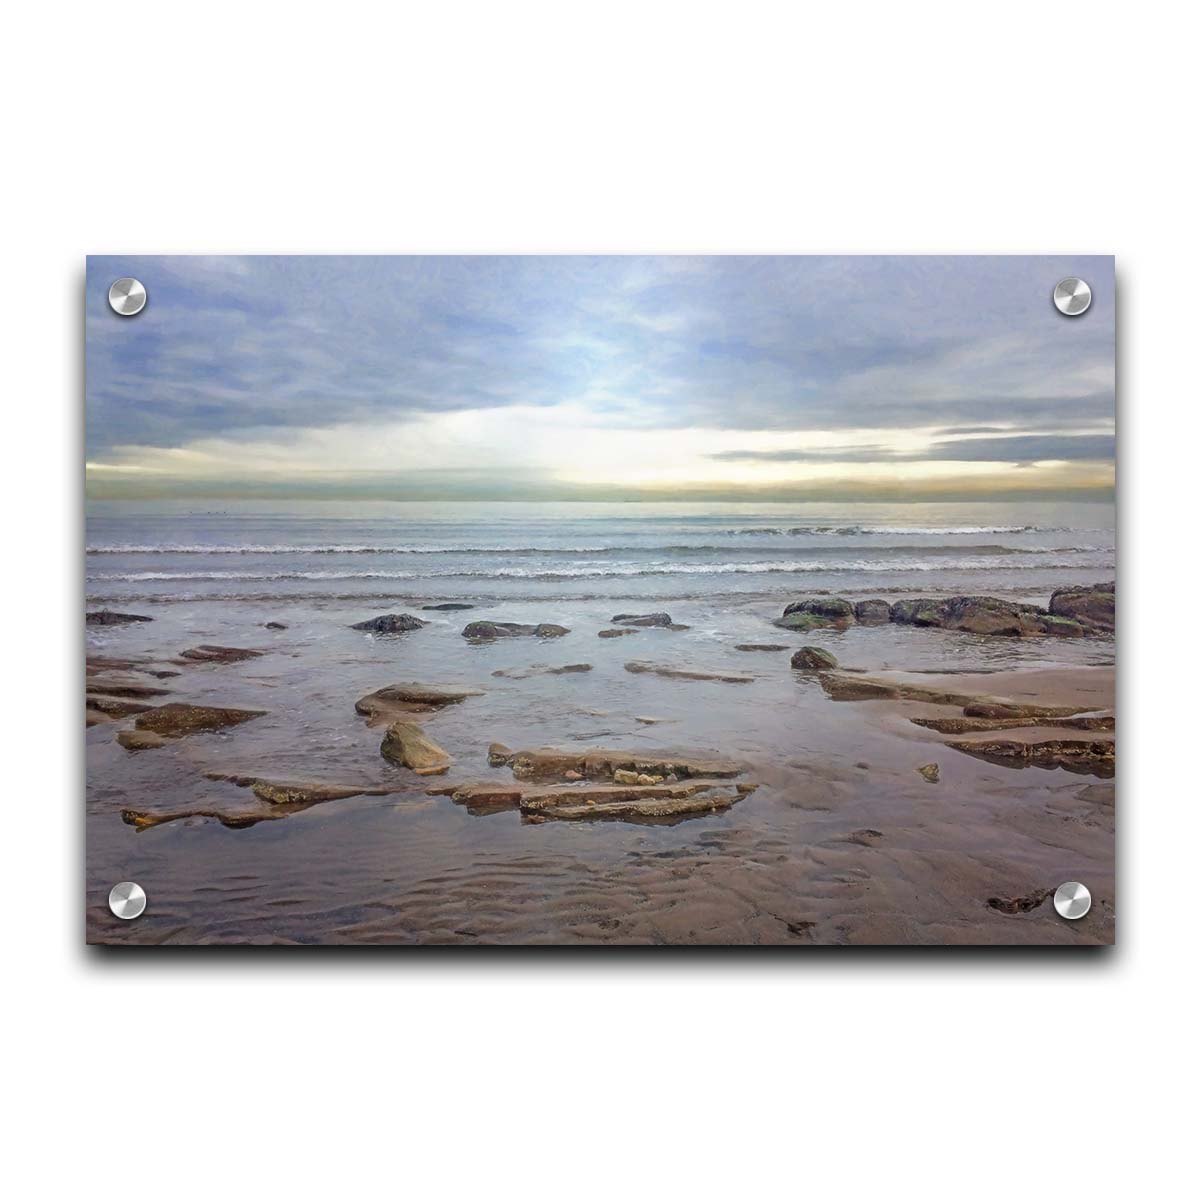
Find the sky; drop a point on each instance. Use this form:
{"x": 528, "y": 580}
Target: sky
{"x": 601, "y": 378}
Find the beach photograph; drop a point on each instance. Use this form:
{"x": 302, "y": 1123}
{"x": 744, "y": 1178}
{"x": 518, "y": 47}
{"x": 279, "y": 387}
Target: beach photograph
{"x": 605, "y": 600}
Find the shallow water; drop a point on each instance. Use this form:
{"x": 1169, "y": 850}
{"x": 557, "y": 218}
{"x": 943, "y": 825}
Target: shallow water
{"x": 784, "y": 865}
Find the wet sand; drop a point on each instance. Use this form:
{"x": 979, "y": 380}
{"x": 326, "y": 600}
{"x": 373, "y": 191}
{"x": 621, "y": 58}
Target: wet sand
{"x": 843, "y": 842}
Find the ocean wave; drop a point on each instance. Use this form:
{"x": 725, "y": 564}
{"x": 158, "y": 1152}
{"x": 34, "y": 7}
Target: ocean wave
{"x": 588, "y": 571}
{"x": 884, "y": 530}
{"x": 572, "y": 551}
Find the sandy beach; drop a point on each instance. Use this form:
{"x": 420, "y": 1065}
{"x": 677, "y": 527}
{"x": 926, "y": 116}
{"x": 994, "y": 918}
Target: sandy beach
{"x": 701, "y": 791}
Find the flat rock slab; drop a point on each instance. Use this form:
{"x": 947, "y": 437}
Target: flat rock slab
{"x": 840, "y": 685}
{"x": 400, "y": 699}
{"x": 220, "y": 654}
{"x": 529, "y": 672}
{"x": 306, "y": 792}
{"x": 669, "y": 672}
{"x": 279, "y": 799}
{"x": 1083, "y": 756}
{"x": 105, "y": 616}
{"x": 763, "y": 646}
{"x": 448, "y": 607}
{"x": 488, "y": 631}
{"x": 180, "y": 720}
{"x": 954, "y": 725}
{"x": 101, "y": 664}
{"x": 116, "y": 707}
{"x": 131, "y": 689}
{"x": 614, "y": 633}
{"x": 551, "y": 763}
{"x": 662, "y": 804}
{"x": 592, "y": 802}
{"x": 658, "y": 620}
{"x": 141, "y": 820}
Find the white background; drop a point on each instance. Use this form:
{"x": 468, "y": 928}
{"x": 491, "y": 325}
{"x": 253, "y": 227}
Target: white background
{"x": 605, "y": 127}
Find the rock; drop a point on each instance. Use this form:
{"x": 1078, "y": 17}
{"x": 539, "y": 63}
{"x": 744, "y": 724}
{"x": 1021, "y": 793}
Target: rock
{"x": 306, "y": 793}
{"x": 140, "y": 739}
{"x": 919, "y": 612}
{"x": 1085, "y": 756}
{"x": 274, "y": 625}
{"x": 669, "y": 672}
{"x": 482, "y": 798}
{"x": 818, "y": 613}
{"x": 985, "y": 615}
{"x": 872, "y": 612}
{"x": 842, "y": 686}
{"x": 180, "y": 720}
{"x": 131, "y": 689}
{"x": 930, "y": 771}
{"x": 105, "y": 616}
{"x": 623, "y": 776}
{"x": 864, "y": 837}
{"x": 99, "y": 664}
{"x": 648, "y": 780}
{"x": 527, "y": 672}
{"x": 1062, "y": 626}
{"x": 853, "y": 687}
{"x": 242, "y": 820}
{"x": 451, "y": 607}
{"x": 660, "y": 619}
{"x": 612, "y": 633}
{"x": 982, "y": 706}
{"x": 1020, "y": 904}
{"x": 115, "y": 706}
{"x": 499, "y": 755}
{"x": 405, "y": 744}
{"x": 93, "y": 716}
{"x": 552, "y": 763}
{"x": 399, "y": 699}
{"x": 1095, "y": 606}
{"x": 649, "y": 804}
{"x": 391, "y": 623}
{"x": 990, "y": 616}
{"x": 813, "y": 658}
{"x": 749, "y": 646}
{"x": 219, "y": 654}
{"x": 985, "y": 724}
{"x": 490, "y": 630}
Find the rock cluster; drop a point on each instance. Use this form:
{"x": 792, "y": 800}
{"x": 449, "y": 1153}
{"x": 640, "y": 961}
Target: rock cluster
{"x": 1073, "y": 612}
{"x": 569, "y": 785}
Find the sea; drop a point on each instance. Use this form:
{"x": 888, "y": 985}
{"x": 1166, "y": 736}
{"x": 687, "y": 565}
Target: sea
{"x": 290, "y": 552}
{"x": 415, "y": 868}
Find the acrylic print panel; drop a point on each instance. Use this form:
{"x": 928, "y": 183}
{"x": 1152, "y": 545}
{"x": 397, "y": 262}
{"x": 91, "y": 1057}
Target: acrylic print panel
{"x": 593, "y": 601}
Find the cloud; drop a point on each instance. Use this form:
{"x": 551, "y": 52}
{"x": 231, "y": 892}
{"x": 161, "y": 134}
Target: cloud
{"x": 766, "y": 354}
{"x": 1020, "y": 449}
